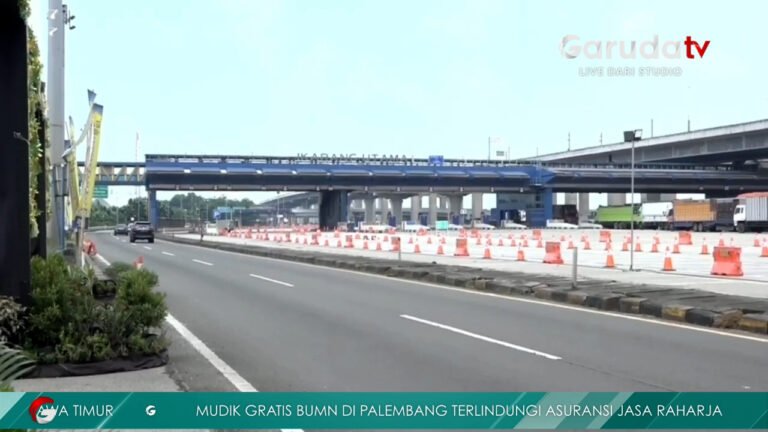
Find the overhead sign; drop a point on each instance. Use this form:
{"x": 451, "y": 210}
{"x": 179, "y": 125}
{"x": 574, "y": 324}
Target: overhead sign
{"x": 436, "y": 160}
{"x": 101, "y": 191}
{"x": 441, "y": 225}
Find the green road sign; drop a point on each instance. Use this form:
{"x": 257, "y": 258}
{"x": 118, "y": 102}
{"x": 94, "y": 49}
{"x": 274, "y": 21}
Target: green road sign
{"x": 441, "y": 225}
{"x": 101, "y": 191}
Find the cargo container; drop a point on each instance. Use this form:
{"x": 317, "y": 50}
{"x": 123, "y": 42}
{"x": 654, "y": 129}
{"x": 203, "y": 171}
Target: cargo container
{"x": 724, "y": 211}
{"x": 619, "y": 217}
{"x": 751, "y": 213}
{"x": 655, "y": 215}
{"x": 694, "y": 215}
{"x": 534, "y": 217}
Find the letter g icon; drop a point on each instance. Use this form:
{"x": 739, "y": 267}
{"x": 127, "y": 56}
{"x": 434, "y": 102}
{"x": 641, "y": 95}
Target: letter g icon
{"x": 572, "y": 52}
{"x": 150, "y": 410}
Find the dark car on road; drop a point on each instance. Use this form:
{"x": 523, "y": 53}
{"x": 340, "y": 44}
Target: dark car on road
{"x": 142, "y": 231}
{"x": 121, "y": 229}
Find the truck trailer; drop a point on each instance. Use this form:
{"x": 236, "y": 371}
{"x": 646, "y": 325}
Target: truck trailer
{"x": 714, "y": 214}
{"x": 751, "y": 212}
{"x": 619, "y": 217}
{"x": 655, "y": 215}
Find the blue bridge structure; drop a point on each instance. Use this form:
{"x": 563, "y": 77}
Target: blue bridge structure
{"x": 336, "y": 179}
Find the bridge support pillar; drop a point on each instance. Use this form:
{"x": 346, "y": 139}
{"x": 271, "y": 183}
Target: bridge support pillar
{"x": 370, "y": 210}
{"x": 154, "y": 208}
{"x": 477, "y": 205}
{"x": 617, "y": 199}
{"x": 432, "y": 209}
{"x": 548, "y": 202}
{"x": 396, "y": 203}
{"x": 333, "y": 209}
{"x": 455, "y": 203}
{"x": 571, "y": 199}
{"x": 583, "y": 207}
{"x": 415, "y": 208}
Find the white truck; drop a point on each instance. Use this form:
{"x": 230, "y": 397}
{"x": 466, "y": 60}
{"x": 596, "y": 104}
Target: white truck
{"x": 751, "y": 213}
{"x": 655, "y": 215}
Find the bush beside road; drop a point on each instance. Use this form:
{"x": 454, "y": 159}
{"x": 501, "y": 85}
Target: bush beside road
{"x": 675, "y": 304}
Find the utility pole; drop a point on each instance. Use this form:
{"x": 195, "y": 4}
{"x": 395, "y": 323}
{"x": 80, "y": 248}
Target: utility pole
{"x": 59, "y": 21}
{"x": 601, "y": 138}
{"x": 652, "y": 128}
{"x": 138, "y": 188}
{"x": 569, "y": 141}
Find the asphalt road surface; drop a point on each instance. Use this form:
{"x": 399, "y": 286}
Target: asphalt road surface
{"x": 286, "y": 326}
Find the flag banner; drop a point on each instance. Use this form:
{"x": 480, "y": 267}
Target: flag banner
{"x": 571, "y": 411}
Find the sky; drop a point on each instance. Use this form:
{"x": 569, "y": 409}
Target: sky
{"x": 413, "y": 78}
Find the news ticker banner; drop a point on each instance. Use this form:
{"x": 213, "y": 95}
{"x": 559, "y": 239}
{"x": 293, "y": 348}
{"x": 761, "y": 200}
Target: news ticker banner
{"x": 384, "y": 410}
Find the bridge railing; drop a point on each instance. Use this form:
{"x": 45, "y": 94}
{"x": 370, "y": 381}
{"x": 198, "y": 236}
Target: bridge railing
{"x": 414, "y": 162}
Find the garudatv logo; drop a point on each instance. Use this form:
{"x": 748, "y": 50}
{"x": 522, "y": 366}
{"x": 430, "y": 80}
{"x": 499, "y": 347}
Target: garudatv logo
{"x": 42, "y": 410}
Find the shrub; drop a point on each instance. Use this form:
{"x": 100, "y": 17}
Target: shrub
{"x": 14, "y": 364}
{"x": 136, "y": 297}
{"x": 11, "y": 319}
{"x": 116, "y": 269}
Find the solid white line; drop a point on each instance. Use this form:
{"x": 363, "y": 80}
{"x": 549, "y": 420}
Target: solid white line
{"x": 506, "y": 298}
{"x": 482, "y": 338}
{"x": 240, "y": 383}
{"x": 271, "y": 280}
{"x": 147, "y": 248}
{"x": 103, "y": 260}
{"x": 168, "y": 253}
{"x": 202, "y": 262}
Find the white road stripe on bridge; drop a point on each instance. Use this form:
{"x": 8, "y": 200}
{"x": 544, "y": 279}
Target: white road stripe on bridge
{"x": 271, "y": 280}
{"x": 202, "y": 262}
{"x": 168, "y": 253}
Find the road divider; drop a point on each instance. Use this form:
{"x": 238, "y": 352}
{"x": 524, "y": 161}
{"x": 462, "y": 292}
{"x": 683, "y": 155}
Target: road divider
{"x": 705, "y": 308}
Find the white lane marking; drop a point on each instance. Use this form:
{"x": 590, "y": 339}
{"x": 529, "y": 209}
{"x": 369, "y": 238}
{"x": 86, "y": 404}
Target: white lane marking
{"x": 147, "y": 248}
{"x": 271, "y": 280}
{"x": 506, "y": 298}
{"x": 168, "y": 253}
{"x": 202, "y": 262}
{"x": 240, "y": 383}
{"x": 482, "y": 338}
{"x": 103, "y": 260}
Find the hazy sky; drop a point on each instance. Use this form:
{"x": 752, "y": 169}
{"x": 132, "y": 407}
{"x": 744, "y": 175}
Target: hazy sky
{"x": 405, "y": 77}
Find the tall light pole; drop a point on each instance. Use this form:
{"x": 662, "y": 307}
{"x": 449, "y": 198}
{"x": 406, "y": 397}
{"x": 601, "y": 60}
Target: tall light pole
{"x": 59, "y": 21}
{"x": 632, "y": 136}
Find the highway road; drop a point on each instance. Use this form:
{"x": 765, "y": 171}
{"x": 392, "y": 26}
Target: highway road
{"x": 286, "y": 326}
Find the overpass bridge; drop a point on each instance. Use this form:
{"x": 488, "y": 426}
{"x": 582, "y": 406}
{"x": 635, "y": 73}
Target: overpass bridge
{"x": 734, "y": 144}
{"x": 336, "y": 178}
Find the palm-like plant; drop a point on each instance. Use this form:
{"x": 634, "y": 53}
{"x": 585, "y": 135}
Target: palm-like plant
{"x": 14, "y": 364}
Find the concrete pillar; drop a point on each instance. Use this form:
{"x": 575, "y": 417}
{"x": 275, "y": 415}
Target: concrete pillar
{"x": 617, "y": 199}
{"x": 154, "y": 209}
{"x": 432, "y": 209}
{"x": 667, "y": 197}
{"x": 650, "y": 197}
{"x": 571, "y": 199}
{"x": 370, "y": 210}
{"x": 333, "y": 209}
{"x": 397, "y": 209}
{"x": 477, "y": 205}
{"x": 455, "y": 204}
{"x": 583, "y": 207}
{"x": 415, "y": 208}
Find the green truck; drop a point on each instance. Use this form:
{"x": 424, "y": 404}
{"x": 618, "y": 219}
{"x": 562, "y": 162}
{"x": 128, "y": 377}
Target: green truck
{"x": 618, "y": 217}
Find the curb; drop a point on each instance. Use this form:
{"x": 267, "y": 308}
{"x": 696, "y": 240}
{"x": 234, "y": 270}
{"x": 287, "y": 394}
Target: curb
{"x": 557, "y": 289}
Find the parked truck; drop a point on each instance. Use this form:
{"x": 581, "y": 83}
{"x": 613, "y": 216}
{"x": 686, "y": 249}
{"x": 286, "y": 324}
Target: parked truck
{"x": 751, "y": 212}
{"x": 619, "y": 217}
{"x": 655, "y": 215}
{"x": 702, "y": 215}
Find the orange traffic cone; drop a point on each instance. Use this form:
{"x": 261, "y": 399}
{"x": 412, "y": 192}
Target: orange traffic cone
{"x": 513, "y": 243}
{"x": 583, "y": 238}
{"x": 655, "y": 247}
{"x": 525, "y": 242}
{"x": 608, "y": 246}
{"x": 489, "y": 242}
{"x": 440, "y": 250}
{"x": 416, "y": 248}
{"x": 676, "y": 249}
{"x": 487, "y": 254}
{"x": 338, "y": 243}
{"x": 501, "y": 241}
{"x": 704, "y": 249}
{"x": 365, "y": 245}
{"x": 721, "y": 243}
{"x": 609, "y": 262}
{"x": 764, "y": 253}
{"x": 139, "y": 263}
{"x": 429, "y": 240}
{"x": 625, "y": 247}
{"x": 638, "y": 247}
{"x": 378, "y": 246}
{"x": 442, "y": 240}
{"x": 668, "y": 262}
{"x": 386, "y": 239}
{"x": 587, "y": 246}
{"x": 570, "y": 245}
{"x": 326, "y": 243}
{"x": 562, "y": 238}
{"x": 539, "y": 244}
{"x": 520, "y": 254}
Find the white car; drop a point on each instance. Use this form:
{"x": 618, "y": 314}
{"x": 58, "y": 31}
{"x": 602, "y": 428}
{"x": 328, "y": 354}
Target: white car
{"x": 211, "y": 230}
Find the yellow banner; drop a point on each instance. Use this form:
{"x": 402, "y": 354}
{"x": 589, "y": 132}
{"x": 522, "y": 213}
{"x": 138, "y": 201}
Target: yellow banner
{"x": 89, "y": 179}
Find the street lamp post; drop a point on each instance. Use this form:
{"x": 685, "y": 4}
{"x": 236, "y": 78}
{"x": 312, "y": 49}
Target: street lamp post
{"x": 632, "y": 136}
